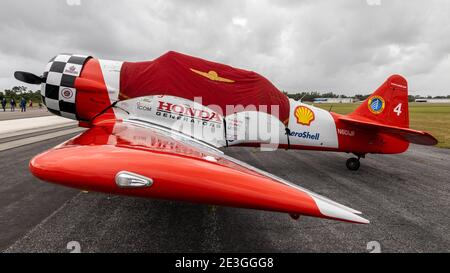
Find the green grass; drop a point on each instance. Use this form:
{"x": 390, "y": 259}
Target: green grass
{"x": 431, "y": 117}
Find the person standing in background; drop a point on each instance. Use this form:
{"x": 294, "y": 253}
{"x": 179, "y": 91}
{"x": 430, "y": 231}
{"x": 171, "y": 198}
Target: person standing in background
{"x": 4, "y": 104}
{"x": 13, "y": 104}
{"x": 23, "y": 105}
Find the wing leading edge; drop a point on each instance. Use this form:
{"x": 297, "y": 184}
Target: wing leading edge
{"x": 179, "y": 167}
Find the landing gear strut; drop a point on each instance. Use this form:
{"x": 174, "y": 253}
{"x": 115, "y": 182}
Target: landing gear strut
{"x": 353, "y": 163}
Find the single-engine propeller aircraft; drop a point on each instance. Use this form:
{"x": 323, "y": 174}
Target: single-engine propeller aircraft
{"x": 155, "y": 129}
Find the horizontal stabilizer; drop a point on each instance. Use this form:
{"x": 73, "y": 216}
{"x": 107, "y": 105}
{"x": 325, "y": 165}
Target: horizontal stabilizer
{"x": 413, "y": 136}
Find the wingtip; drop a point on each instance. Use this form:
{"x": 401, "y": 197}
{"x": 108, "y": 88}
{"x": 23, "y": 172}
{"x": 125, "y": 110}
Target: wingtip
{"x": 331, "y": 202}
{"x": 333, "y": 211}
{"x": 361, "y": 220}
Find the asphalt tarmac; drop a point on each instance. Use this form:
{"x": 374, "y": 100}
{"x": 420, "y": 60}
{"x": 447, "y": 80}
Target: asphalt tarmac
{"x": 30, "y": 113}
{"x": 406, "y": 197}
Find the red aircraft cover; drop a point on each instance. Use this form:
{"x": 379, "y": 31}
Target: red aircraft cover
{"x": 189, "y": 77}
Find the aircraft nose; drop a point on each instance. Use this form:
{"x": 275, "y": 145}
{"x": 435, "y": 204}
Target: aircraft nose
{"x": 58, "y": 87}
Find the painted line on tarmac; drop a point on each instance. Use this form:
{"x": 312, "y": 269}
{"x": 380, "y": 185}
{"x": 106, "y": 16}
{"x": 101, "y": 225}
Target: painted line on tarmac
{"x": 30, "y": 140}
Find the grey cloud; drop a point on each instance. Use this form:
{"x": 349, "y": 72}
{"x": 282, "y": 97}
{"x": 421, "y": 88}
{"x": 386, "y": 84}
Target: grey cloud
{"x": 343, "y": 46}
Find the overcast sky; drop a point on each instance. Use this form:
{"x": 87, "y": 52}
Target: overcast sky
{"x": 343, "y": 46}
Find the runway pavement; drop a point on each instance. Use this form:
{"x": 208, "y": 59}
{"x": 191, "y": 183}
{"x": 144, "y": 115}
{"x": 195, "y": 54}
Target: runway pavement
{"x": 30, "y": 113}
{"x": 406, "y": 197}
{"x": 18, "y": 132}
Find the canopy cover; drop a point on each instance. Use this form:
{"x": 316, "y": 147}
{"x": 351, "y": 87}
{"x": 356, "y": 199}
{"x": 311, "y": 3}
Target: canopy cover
{"x": 180, "y": 75}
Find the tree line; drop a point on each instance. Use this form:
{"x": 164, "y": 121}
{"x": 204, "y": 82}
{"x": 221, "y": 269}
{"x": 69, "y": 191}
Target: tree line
{"x": 310, "y": 96}
{"x": 19, "y": 92}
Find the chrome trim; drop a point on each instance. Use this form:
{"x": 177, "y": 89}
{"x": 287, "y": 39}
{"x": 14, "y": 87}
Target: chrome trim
{"x": 126, "y": 179}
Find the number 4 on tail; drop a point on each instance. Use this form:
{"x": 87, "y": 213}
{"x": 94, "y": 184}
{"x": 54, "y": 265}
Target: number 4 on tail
{"x": 398, "y": 109}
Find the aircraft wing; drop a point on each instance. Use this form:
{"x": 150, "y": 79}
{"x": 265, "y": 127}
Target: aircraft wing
{"x": 413, "y": 136}
{"x": 140, "y": 159}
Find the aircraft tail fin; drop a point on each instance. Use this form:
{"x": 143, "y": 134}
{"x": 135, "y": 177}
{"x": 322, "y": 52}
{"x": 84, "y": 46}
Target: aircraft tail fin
{"x": 387, "y": 105}
{"x": 386, "y": 111}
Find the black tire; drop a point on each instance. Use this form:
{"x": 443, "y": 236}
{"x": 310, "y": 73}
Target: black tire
{"x": 353, "y": 164}
{"x": 295, "y": 216}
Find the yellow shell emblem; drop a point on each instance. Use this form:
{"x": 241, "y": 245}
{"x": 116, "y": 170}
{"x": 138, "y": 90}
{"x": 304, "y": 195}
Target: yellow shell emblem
{"x": 304, "y": 115}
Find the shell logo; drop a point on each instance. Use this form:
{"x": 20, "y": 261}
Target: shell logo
{"x": 304, "y": 115}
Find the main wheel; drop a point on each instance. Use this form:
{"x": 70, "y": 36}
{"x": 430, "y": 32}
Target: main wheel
{"x": 295, "y": 216}
{"x": 353, "y": 164}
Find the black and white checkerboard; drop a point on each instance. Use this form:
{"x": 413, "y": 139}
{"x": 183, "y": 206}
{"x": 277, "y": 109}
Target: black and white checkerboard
{"x": 58, "y": 90}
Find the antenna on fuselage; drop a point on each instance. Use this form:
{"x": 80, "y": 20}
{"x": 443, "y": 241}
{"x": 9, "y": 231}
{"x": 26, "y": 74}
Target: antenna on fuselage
{"x": 301, "y": 99}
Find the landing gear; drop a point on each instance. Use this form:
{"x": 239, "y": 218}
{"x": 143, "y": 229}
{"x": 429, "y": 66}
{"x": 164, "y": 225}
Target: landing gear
{"x": 295, "y": 216}
{"x": 353, "y": 164}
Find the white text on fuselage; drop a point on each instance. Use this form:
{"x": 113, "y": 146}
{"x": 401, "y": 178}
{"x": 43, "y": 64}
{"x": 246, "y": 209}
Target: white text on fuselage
{"x": 344, "y": 132}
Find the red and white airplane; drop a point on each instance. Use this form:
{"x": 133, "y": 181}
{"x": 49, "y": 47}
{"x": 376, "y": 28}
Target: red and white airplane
{"x": 155, "y": 129}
